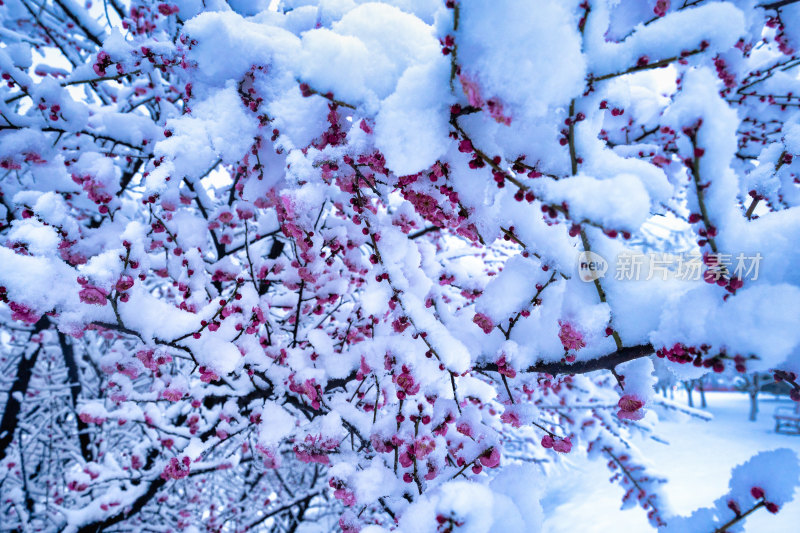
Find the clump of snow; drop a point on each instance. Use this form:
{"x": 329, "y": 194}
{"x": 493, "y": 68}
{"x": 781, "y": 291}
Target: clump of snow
{"x": 411, "y": 128}
{"x": 666, "y": 37}
{"x": 226, "y": 34}
{"x": 506, "y": 506}
{"x": 535, "y": 44}
{"x": 512, "y": 290}
{"x": 620, "y": 202}
{"x": 363, "y": 55}
{"x": 276, "y": 424}
{"x": 768, "y": 479}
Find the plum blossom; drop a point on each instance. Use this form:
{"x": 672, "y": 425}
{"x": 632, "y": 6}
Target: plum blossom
{"x": 511, "y": 418}
{"x": 406, "y": 383}
{"x": 93, "y": 295}
{"x": 571, "y": 338}
{"x": 484, "y": 322}
{"x": 23, "y": 313}
{"x": 207, "y": 375}
{"x": 315, "y": 449}
{"x": 491, "y": 458}
{"x": 173, "y": 395}
{"x": 562, "y": 445}
{"x": 630, "y": 407}
{"x": 471, "y": 90}
{"x": 176, "y": 469}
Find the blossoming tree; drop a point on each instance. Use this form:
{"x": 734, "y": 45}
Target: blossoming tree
{"x": 264, "y": 263}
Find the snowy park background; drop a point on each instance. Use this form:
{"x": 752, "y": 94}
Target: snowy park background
{"x": 697, "y": 462}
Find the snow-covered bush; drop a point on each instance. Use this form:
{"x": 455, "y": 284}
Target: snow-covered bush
{"x": 327, "y": 262}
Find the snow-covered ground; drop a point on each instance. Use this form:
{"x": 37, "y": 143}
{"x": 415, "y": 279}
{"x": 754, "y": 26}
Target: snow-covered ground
{"x": 697, "y": 461}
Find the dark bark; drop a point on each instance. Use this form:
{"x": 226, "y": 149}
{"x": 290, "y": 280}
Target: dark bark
{"x": 281, "y": 509}
{"x": 606, "y": 362}
{"x": 127, "y": 177}
{"x": 702, "y": 389}
{"x": 689, "y": 386}
{"x": 96, "y": 39}
{"x": 753, "y": 392}
{"x": 75, "y": 389}
{"x": 423, "y": 231}
{"x": 777, "y": 5}
{"x": 126, "y": 511}
{"x": 276, "y": 250}
{"x": 8, "y": 424}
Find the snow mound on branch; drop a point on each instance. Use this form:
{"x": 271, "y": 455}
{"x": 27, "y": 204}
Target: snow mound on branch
{"x": 411, "y": 127}
{"x": 761, "y": 320}
{"x": 508, "y": 505}
{"x": 512, "y": 290}
{"x": 364, "y": 55}
{"x": 771, "y": 475}
{"x": 39, "y": 239}
{"x": 276, "y": 424}
{"x": 775, "y": 472}
{"x": 790, "y": 16}
{"x": 17, "y": 271}
{"x": 218, "y": 128}
{"x": 240, "y": 42}
{"x": 664, "y": 38}
{"x": 299, "y": 119}
{"x": 536, "y": 65}
{"x": 617, "y": 203}
{"x": 389, "y": 62}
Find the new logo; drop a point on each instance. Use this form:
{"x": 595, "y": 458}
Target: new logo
{"x": 591, "y": 266}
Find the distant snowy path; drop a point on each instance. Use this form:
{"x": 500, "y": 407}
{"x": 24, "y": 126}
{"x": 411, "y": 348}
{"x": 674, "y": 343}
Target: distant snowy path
{"x": 698, "y": 463}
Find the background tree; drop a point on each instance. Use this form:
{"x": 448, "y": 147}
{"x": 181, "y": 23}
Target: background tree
{"x": 752, "y": 384}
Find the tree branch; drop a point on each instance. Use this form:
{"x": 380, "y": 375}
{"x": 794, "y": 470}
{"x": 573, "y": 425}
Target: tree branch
{"x": 73, "y": 377}
{"x": 606, "y": 362}
{"x": 8, "y": 424}
{"x": 124, "y": 511}
{"x": 777, "y": 5}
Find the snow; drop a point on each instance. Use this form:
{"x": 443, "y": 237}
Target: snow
{"x": 126, "y": 127}
{"x": 620, "y": 202}
{"x": 373, "y": 482}
{"x": 512, "y": 290}
{"x": 697, "y": 462}
{"x": 253, "y": 123}
{"x": 776, "y": 472}
{"x": 155, "y": 318}
{"x": 769, "y": 309}
{"x": 638, "y": 378}
{"x": 790, "y": 14}
{"x": 667, "y": 37}
{"x": 298, "y": 118}
{"x": 520, "y": 483}
{"x": 219, "y": 128}
{"x": 242, "y": 43}
{"x": 537, "y": 63}
{"x": 40, "y": 239}
{"x": 411, "y": 127}
{"x": 401, "y": 259}
{"x": 217, "y": 354}
{"x": 470, "y": 503}
{"x": 365, "y": 53}
{"x": 699, "y": 100}
{"x": 18, "y": 270}
{"x": 508, "y": 505}
{"x": 276, "y": 424}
